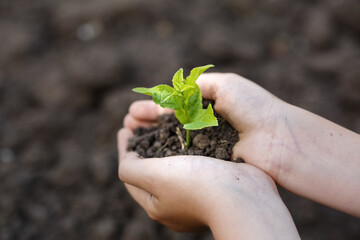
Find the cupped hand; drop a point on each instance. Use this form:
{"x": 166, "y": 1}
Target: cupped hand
{"x": 189, "y": 193}
{"x": 303, "y": 152}
{"x": 250, "y": 109}
{"x": 258, "y": 117}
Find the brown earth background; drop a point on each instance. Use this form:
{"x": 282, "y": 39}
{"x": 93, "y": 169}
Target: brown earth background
{"x": 66, "y": 70}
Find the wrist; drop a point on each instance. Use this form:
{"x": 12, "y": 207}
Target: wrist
{"x": 250, "y": 209}
{"x": 321, "y": 160}
{"x": 253, "y": 219}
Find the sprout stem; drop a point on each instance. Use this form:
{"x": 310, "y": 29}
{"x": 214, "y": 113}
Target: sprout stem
{"x": 187, "y": 138}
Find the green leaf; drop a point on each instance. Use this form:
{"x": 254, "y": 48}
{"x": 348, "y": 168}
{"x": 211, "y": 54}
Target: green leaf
{"x": 204, "y": 118}
{"x": 163, "y": 95}
{"x": 185, "y": 98}
{"x": 181, "y": 116}
{"x": 195, "y": 73}
{"x": 178, "y": 79}
{"x": 143, "y": 90}
{"x": 188, "y": 87}
{"x": 194, "y": 102}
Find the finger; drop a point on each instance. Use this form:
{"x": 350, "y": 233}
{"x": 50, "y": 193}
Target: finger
{"x": 141, "y": 173}
{"x": 215, "y": 86}
{"x": 147, "y": 110}
{"x": 132, "y": 123}
{"x": 134, "y": 170}
{"x": 123, "y": 136}
{"x": 209, "y": 84}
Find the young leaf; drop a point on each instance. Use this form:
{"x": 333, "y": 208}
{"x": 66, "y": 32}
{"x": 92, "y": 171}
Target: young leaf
{"x": 195, "y": 102}
{"x": 181, "y": 116}
{"x": 163, "y": 95}
{"x": 204, "y": 118}
{"x": 195, "y": 73}
{"x": 185, "y": 98}
{"x": 178, "y": 80}
{"x": 187, "y": 88}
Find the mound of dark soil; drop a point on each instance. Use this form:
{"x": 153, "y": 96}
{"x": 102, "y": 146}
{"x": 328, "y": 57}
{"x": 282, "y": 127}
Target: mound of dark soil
{"x": 168, "y": 139}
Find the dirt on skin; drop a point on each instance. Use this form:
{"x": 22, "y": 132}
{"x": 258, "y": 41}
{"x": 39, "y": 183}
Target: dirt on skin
{"x": 168, "y": 138}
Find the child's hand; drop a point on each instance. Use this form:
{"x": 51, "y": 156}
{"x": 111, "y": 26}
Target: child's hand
{"x": 190, "y": 193}
{"x": 301, "y": 151}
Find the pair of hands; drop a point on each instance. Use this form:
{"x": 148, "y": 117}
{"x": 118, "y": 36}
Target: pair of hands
{"x": 189, "y": 193}
{"x": 279, "y": 142}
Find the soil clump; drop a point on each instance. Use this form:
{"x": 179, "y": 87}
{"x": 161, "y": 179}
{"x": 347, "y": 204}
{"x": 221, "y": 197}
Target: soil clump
{"x": 168, "y": 139}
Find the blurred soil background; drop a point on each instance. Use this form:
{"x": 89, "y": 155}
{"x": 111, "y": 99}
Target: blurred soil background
{"x": 66, "y": 70}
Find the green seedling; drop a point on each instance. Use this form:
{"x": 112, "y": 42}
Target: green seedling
{"x": 186, "y": 99}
